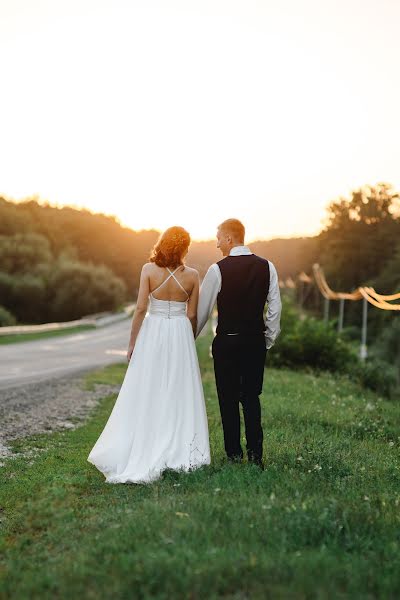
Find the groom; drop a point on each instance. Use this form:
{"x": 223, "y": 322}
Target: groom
{"x": 241, "y": 283}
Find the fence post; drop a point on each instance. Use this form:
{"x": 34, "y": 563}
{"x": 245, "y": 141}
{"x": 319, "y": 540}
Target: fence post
{"x": 302, "y": 284}
{"x": 326, "y": 310}
{"x": 363, "y": 348}
{"x": 341, "y": 312}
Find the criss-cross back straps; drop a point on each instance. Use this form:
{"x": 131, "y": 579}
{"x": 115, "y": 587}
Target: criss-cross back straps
{"x": 171, "y": 274}
{"x": 177, "y": 281}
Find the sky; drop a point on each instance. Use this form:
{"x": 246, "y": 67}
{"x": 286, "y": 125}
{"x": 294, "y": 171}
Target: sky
{"x": 190, "y": 112}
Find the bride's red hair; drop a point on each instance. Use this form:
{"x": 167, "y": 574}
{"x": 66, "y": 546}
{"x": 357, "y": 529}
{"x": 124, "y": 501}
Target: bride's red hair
{"x": 170, "y": 247}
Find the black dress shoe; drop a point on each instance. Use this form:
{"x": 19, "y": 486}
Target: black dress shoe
{"x": 235, "y": 459}
{"x": 259, "y": 463}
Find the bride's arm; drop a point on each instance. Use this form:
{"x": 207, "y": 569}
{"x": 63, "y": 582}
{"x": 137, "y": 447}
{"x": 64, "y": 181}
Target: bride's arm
{"x": 141, "y": 308}
{"x": 193, "y": 302}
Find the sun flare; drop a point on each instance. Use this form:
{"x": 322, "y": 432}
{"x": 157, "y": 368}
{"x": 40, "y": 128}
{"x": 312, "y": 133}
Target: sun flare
{"x": 164, "y": 113}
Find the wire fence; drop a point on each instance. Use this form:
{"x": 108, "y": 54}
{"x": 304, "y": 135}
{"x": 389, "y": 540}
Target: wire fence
{"x": 367, "y": 295}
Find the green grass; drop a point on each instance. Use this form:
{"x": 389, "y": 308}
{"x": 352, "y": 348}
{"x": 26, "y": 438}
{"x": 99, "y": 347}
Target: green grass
{"x": 322, "y": 521}
{"x": 27, "y": 337}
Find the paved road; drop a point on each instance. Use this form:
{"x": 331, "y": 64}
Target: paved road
{"x": 27, "y": 362}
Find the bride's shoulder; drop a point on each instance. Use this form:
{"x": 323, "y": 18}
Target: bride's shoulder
{"x": 190, "y": 271}
{"x": 148, "y": 268}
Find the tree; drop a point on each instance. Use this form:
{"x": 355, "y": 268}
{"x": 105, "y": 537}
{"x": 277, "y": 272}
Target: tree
{"x": 37, "y": 287}
{"x": 76, "y": 289}
{"x": 24, "y": 252}
{"x": 388, "y": 280}
{"x": 6, "y": 318}
{"x": 360, "y": 236}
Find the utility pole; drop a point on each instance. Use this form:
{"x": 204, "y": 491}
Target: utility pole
{"x": 341, "y": 313}
{"x": 363, "y": 348}
{"x": 326, "y": 310}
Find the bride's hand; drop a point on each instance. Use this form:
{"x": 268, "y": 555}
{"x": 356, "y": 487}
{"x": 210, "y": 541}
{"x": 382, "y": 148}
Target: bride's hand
{"x": 129, "y": 353}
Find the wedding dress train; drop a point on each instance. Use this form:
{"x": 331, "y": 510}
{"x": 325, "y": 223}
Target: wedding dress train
{"x": 159, "y": 419}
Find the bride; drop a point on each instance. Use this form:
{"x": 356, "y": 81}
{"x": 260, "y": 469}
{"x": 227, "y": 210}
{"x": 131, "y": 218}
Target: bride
{"x": 159, "y": 419}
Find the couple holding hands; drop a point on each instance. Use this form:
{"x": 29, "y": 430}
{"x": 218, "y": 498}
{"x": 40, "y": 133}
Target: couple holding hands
{"x": 159, "y": 419}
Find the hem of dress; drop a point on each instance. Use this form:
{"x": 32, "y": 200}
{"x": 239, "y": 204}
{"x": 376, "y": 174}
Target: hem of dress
{"x": 114, "y": 479}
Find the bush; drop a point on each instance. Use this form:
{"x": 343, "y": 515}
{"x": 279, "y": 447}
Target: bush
{"x": 387, "y": 344}
{"x": 6, "y": 318}
{"x": 377, "y": 375}
{"x": 29, "y": 302}
{"x": 24, "y": 295}
{"x": 307, "y": 342}
{"x": 38, "y": 288}
{"x": 77, "y": 289}
{"x": 23, "y": 252}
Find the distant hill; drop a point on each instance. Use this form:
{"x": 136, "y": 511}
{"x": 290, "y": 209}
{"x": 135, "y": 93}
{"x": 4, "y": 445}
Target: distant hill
{"x": 290, "y": 256}
{"x": 101, "y": 239}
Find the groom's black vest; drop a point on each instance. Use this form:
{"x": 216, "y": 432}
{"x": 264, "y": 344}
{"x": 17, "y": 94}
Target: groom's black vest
{"x": 244, "y": 291}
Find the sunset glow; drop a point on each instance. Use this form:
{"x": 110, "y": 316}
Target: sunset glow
{"x": 180, "y": 112}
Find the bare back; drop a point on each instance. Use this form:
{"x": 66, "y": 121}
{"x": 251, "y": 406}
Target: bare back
{"x": 170, "y": 290}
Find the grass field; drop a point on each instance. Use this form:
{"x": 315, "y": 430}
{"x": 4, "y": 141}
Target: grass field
{"x": 322, "y": 521}
{"x": 27, "y": 337}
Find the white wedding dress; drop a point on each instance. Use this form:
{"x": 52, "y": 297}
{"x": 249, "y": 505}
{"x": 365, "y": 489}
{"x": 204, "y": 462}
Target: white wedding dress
{"x": 159, "y": 419}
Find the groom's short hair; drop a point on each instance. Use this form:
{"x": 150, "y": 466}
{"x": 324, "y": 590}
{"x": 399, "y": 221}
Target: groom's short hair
{"x": 234, "y": 227}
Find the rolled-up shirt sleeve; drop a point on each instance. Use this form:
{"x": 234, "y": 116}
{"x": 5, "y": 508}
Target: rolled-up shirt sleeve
{"x": 273, "y": 318}
{"x": 209, "y": 289}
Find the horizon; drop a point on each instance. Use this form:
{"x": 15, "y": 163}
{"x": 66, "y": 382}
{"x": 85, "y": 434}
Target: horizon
{"x": 165, "y": 111}
{"x": 43, "y": 202}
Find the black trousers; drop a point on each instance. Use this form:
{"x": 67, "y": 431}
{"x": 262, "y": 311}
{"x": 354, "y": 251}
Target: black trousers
{"x": 239, "y": 362}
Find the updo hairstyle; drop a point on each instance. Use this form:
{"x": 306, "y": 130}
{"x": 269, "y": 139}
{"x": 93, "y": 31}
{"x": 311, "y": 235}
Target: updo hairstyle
{"x": 170, "y": 247}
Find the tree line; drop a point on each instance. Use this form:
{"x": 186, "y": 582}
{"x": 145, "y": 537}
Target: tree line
{"x": 63, "y": 263}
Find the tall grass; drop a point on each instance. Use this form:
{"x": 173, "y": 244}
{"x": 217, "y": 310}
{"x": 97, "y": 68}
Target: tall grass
{"x": 321, "y": 521}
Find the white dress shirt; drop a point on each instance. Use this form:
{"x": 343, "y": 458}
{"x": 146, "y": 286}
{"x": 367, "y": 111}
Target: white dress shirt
{"x": 211, "y": 286}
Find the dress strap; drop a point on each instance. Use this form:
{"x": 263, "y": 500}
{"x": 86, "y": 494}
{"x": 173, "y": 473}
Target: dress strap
{"x": 178, "y": 282}
{"x": 171, "y": 274}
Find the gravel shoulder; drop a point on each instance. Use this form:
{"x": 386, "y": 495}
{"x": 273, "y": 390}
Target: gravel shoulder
{"x": 46, "y": 406}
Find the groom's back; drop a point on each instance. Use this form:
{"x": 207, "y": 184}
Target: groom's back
{"x": 244, "y": 291}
